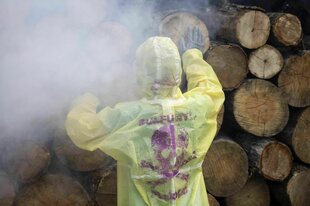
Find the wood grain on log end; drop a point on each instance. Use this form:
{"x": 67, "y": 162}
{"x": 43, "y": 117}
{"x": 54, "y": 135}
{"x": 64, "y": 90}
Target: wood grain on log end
{"x": 286, "y": 28}
{"x": 212, "y": 201}
{"x": 276, "y": 161}
{"x": 252, "y": 29}
{"x": 301, "y": 137}
{"x": 176, "y": 26}
{"x": 265, "y": 62}
{"x": 254, "y": 193}
{"x": 298, "y": 188}
{"x": 54, "y": 190}
{"x": 225, "y": 168}
{"x": 294, "y": 80}
{"x": 7, "y": 192}
{"x": 229, "y": 63}
{"x": 260, "y": 108}
{"x": 25, "y": 160}
{"x": 76, "y": 158}
{"x": 272, "y": 159}
{"x": 295, "y": 190}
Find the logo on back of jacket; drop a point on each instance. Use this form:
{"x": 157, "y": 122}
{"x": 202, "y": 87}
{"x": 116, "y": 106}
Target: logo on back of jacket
{"x": 169, "y": 144}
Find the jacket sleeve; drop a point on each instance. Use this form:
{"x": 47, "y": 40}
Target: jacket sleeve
{"x": 202, "y": 79}
{"x": 84, "y": 126}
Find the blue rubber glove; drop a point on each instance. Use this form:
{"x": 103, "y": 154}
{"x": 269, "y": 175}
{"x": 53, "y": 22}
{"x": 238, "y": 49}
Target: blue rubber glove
{"x": 193, "y": 39}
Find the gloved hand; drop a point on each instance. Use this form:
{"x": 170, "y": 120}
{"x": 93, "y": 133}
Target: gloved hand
{"x": 194, "y": 39}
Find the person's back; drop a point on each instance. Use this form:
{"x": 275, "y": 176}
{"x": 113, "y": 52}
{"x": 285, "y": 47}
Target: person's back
{"x": 160, "y": 141}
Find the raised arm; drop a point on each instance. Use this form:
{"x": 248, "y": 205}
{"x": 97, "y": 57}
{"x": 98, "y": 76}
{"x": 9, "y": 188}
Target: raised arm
{"x": 83, "y": 124}
{"x": 201, "y": 78}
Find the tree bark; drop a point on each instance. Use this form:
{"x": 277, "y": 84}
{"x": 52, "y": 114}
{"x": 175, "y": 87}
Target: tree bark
{"x": 265, "y": 62}
{"x": 296, "y": 134}
{"x": 229, "y": 62}
{"x": 255, "y": 192}
{"x": 76, "y": 158}
{"x": 25, "y": 161}
{"x": 294, "y": 79}
{"x": 259, "y": 108}
{"x": 286, "y": 29}
{"x": 105, "y": 182}
{"x": 249, "y": 28}
{"x": 225, "y": 167}
{"x": 270, "y": 158}
{"x": 54, "y": 190}
{"x": 219, "y": 119}
{"x": 7, "y": 191}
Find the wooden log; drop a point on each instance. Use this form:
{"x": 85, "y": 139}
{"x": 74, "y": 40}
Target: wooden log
{"x": 25, "y": 161}
{"x": 294, "y": 79}
{"x": 229, "y": 62}
{"x": 53, "y": 190}
{"x": 286, "y": 29}
{"x": 296, "y": 134}
{"x": 249, "y": 28}
{"x": 255, "y": 192}
{"x": 106, "y": 187}
{"x": 259, "y": 108}
{"x": 7, "y": 191}
{"x": 219, "y": 119}
{"x": 76, "y": 158}
{"x": 295, "y": 190}
{"x": 270, "y": 158}
{"x": 265, "y": 62}
{"x": 212, "y": 201}
{"x": 225, "y": 167}
{"x": 176, "y": 26}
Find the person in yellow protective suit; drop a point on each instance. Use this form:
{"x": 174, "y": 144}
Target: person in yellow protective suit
{"x": 160, "y": 141}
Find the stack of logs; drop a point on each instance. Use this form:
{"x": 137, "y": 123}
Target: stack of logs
{"x": 261, "y": 154}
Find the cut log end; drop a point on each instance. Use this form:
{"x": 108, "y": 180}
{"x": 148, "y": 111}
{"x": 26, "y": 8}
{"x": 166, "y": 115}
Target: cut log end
{"x": 176, "y": 26}
{"x": 26, "y": 161}
{"x": 7, "y": 192}
{"x": 255, "y": 192}
{"x": 253, "y": 29}
{"x": 294, "y": 80}
{"x": 276, "y": 161}
{"x": 301, "y": 137}
{"x": 229, "y": 63}
{"x": 54, "y": 190}
{"x": 213, "y": 201}
{"x": 76, "y": 158}
{"x": 225, "y": 168}
{"x": 259, "y": 108}
{"x": 265, "y": 62}
{"x": 287, "y": 29}
{"x": 298, "y": 189}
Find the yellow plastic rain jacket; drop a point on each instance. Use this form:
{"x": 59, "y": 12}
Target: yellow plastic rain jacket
{"x": 160, "y": 141}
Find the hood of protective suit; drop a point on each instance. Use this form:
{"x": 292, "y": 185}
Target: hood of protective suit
{"x": 158, "y": 68}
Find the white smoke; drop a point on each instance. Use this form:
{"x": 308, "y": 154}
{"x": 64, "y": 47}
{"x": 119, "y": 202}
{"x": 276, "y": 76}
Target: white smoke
{"x": 51, "y": 51}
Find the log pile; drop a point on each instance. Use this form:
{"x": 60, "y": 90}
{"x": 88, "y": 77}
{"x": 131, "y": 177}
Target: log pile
{"x": 261, "y": 154}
